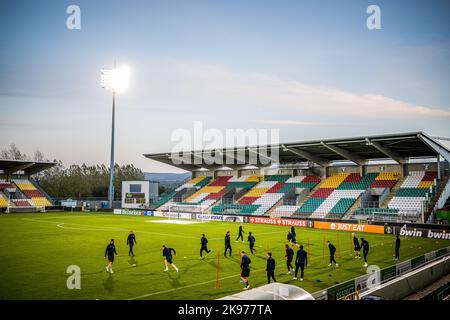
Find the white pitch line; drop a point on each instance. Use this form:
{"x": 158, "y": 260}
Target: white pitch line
{"x": 220, "y": 279}
{"x": 256, "y": 234}
{"x": 176, "y": 289}
{"x": 195, "y": 284}
{"x": 105, "y": 228}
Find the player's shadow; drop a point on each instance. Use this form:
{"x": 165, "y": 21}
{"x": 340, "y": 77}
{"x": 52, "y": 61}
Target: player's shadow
{"x": 174, "y": 280}
{"x": 132, "y": 261}
{"x": 259, "y": 257}
{"x": 232, "y": 259}
{"x": 187, "y": 268}
{"x": 109, "y": 283}
{"x": 212, "y": 263}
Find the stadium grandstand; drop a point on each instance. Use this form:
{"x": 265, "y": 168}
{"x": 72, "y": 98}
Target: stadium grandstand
{"x": 396, "y": 177}
{"x": 18, "y": 191}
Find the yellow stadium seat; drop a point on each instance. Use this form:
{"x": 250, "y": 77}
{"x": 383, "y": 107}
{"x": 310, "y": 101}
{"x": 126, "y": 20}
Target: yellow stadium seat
{"x": 26, "y": 186}
{"x": 3, "y": 202}
{"x": 196, "y": 180}
{"x": 424, "y": 184}
{"x": 211, "y": 189}
{"x": 257, "y": 192}
{"x": 41, "y": 202}
{"x": 387, "y": 176}
{"x": 253, "y": 179}
{"x": 334, "y": 181}
{"x": 206, "y": 189}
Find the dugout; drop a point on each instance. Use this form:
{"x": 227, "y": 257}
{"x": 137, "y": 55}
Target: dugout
{"x": 272, "y": 291}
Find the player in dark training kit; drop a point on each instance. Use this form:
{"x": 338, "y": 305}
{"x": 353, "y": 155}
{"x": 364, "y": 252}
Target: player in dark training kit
{"x": 289, "y": 257}
{"x": 110, "y": 252}
{"x": 131, "y": 241}
{"x": 204, "y": 246}
{"x": 168, "y": 259}
{"x": 397, "y": 247}
{"x": 240, "y": 234}
{"x": 227, "y": 244}
{"x": 251, "y": 241}
{"x": 245, "y": 269}
{"x": 291, "y": 238}
{"x": 356, "y": 246}
{"x": 270, "y": 267}
{"x": 293, "y": 231}
{"x": 365, "y": 247}
{"x": 332, "y": 249}
{"x": 301, "y": 261}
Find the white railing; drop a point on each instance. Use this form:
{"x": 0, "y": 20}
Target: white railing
{"x": 441, "y": 201}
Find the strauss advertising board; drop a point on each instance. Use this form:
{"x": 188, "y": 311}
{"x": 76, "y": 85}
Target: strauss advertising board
{"x": 281, "y": 222}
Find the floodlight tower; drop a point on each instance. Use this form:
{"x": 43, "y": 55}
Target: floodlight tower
{"x": 117, "y": 81}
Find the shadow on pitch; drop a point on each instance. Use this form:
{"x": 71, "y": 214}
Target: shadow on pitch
{"x": 109, "y": 283}
{"x": 132, "y": 261}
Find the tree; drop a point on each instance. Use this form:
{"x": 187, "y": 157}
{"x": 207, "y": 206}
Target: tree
{"x": 13, "y": 153}
{"x": 76, "y": 181}
{"x": 39, "y": 156}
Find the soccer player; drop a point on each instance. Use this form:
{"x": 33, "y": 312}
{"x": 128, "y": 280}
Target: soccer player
{"x": 291, "y": 238}
{"x": 204, "y": 246}
{"x": 131, "y": 240}
{"x": 270, "y": 267}
{"x": 227, "y": 244}
{"x": 293, "y": 231}
{"x": 397, "y": 247}
{"x": 365, "y": 247}
{"x": 245, "y": 269}
{"x": 289, "y": 257}
{"x": 251, "y": 241}
{"x": 356, "y": 246}
{"x": 110, "y": 252}
{"x": 301, "y": 261}
{"x": 240, "y": 234}
{"x": 168, "y": 259}
{"x": 332, "y": 252}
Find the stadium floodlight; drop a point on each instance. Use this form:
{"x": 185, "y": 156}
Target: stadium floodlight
{"x": 116, "y": 80}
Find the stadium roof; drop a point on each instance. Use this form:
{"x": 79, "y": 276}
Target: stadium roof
{"x": 29, "y": 167}
{"x": 359, "y": 150}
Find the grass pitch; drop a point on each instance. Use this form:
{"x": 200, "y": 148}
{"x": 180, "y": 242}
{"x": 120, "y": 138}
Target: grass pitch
{"x": 36, "y": 249}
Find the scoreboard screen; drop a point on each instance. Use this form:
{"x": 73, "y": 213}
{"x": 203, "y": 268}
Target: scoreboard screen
{"x": 135, "y": 197}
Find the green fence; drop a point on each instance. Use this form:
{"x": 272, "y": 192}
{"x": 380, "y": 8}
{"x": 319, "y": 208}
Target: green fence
{"x": 367, "y": 281}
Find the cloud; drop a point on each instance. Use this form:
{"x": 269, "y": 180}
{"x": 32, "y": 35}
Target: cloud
{"x": 309, "y": 123}
{"x": 211, "y": 87}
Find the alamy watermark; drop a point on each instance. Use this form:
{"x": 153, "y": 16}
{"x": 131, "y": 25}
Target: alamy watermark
{"x": 74, "y": 280}
{"x": 73, "y": 21}
{"x": 373, "y": 22}
{"x": 229, "y": 147}
{"x": 374, "y": 277}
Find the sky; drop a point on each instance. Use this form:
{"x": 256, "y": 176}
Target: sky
{"x": 311, "y": 69}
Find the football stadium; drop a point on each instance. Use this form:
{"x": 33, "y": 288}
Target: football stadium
{"x": 224, "y": 151}
{"x": 328, "y": 191}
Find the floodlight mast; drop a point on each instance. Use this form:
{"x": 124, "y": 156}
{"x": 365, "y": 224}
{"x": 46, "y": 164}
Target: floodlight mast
{"x": 111, "y": 164}
{"x": 114, "y": 80}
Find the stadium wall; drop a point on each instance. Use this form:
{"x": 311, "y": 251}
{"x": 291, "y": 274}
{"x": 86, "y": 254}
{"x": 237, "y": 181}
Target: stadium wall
{"x": 221, "y": 173}
{"x": 196, "y": 174}
{"x": 412, "y": 282}
{"x": 373, "y": 280}
{"x": 407, "y": 230}
{"x": 325, "y": 172}
{"x": 250, "y": 172}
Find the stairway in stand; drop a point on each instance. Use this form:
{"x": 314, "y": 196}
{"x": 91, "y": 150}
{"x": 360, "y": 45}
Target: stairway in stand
{"x": 392, "y": 193}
